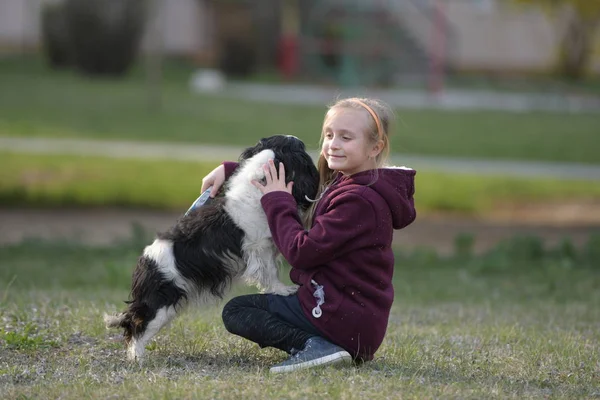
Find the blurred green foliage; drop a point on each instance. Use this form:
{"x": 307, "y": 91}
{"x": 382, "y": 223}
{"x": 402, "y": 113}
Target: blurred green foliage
{"x": 56, "y": 264}
{"x": 59, "y": 181}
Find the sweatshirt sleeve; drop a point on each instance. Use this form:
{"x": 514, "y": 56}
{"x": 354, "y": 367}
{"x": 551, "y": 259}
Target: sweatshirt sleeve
{"x": 348, "y": 217}
{"x": 230, "y": 168}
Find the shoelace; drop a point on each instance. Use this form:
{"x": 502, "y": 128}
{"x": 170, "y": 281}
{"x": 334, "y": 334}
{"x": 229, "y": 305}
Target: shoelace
{"x": 320, "y": 295}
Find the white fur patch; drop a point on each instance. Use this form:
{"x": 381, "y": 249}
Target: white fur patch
{"x": 137, "y": 347}
{"x": 161, "y": 251}
{"x": 243, "y": 199}
{"x": 244, "y": 207}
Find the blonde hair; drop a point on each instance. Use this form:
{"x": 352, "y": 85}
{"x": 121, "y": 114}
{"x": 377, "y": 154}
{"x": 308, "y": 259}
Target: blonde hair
{"x": 380, "y": 116}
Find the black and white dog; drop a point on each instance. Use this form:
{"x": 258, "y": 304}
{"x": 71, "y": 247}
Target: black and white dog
{"x": 206, "y": 250}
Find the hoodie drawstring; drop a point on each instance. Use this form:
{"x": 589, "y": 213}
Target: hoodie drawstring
{"x": 320, "y": 295}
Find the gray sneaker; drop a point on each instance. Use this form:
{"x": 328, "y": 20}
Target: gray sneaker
{"x": 317, "y": 351}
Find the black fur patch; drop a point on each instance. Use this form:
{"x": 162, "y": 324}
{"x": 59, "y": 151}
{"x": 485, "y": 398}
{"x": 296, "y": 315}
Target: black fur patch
{"x": 150, "y": 287}
{"x": 202, "y": 242}
{"x": 149, "y": 292}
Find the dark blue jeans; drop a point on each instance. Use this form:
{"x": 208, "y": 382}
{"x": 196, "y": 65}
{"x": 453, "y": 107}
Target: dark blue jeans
{"x": 269, "y": 320}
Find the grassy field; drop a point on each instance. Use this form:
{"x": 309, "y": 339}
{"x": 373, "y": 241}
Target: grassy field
{"x": 35, "y": 101}
{"x": 519, "y": 322}
{"x": 61, "y": 181}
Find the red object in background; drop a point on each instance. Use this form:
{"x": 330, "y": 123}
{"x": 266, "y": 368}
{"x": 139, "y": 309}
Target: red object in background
{"x": 288, "y": 56}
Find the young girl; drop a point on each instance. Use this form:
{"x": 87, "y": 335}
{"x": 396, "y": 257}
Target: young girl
{"x": 344, "y": 263}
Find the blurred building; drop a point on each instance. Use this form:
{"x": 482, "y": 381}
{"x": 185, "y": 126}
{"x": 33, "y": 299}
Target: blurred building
{"x": 187, "y": 26}
{"x": 338, "y": 39}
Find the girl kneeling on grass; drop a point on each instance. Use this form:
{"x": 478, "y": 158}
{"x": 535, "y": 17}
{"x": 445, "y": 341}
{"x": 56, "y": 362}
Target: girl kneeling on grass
{"x": 344, "y": 263}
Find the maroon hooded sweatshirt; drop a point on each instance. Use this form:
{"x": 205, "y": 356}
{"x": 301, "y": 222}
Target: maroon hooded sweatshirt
{"x": 347, "y": 251}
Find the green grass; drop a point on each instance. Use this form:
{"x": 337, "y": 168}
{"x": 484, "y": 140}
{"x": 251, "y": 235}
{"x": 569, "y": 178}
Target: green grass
{"x": 35, "y": 101}
{"x": 59, "y": 181}
{"x": 518, "y": 322}
{"x": 51, "y": 181}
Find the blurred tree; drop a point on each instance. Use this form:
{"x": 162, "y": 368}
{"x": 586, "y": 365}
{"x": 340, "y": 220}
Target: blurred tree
{"x": 156, "y": 10}
{"x": 236, "y": 36}
{"x": 582, "y": 18}
{"x": 105, "y": 34}
{"x": 54, "y": 34}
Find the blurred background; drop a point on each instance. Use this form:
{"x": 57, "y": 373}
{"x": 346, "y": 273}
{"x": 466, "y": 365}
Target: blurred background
{"x": 112, "y": 111}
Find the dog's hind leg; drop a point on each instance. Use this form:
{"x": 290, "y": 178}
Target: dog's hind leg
{"x": 137, "y": 346}
{"x": 158, "y": 292}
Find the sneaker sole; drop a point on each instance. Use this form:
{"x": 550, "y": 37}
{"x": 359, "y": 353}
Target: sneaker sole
{"x": 340, "y": 356}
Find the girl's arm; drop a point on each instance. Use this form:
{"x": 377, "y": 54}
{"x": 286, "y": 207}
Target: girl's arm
{"x": 349, "y": 221}
{"x": 230, "y": 167}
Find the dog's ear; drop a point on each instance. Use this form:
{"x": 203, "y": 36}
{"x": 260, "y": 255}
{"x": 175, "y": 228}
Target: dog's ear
{"x": 305, "y": 189}
{"x": 301, "y": 169}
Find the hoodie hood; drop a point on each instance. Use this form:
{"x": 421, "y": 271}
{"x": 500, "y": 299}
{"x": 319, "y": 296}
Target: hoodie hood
{"x": 396, "y": 185}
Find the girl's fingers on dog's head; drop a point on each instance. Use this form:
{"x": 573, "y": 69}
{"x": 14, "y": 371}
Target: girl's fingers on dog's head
{"x": 268, "y": 174}
{"x": 281, "y": 170}
{"x": 258, "y": 185}
{"x": 273, "y": 170}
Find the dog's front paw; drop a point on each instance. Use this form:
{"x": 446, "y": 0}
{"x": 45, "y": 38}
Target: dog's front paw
{"x": 285, "y": 290}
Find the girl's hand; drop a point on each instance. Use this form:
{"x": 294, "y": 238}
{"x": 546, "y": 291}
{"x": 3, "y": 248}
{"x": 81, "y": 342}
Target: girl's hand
{"x": 215, "y": 178}
{"x": 275, "y": 182}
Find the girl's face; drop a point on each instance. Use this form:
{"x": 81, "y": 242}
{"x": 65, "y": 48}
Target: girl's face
{"x": 346, "y": 146}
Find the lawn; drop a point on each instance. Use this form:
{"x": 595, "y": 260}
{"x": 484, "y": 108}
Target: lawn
{"x": 518, "y": 322}
{"x": 36, "y": 101}
{"x": 68, "y": 181}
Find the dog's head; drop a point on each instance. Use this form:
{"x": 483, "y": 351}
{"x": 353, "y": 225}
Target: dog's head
{"x": 299, "y": 166}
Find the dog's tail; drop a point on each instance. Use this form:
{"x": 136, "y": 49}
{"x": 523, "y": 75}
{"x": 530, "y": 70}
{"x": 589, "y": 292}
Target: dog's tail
{"x": 114, "y": 321}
